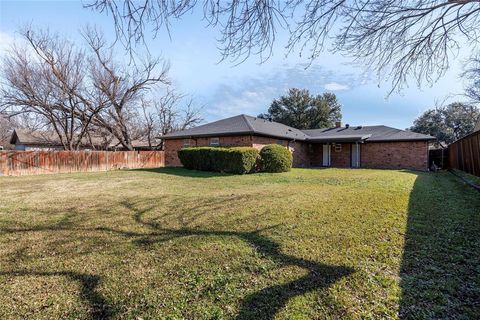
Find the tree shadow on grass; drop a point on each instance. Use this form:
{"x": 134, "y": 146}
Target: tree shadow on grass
{"x": 98, "y": 307}
{"x": 262, "y": 304}
{"x": 266, "y": 303}
{"x": 440, "y": 273}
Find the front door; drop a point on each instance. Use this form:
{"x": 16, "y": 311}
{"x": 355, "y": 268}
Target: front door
{"x": 326, "y": 155}
{"x": 355, "y": 155}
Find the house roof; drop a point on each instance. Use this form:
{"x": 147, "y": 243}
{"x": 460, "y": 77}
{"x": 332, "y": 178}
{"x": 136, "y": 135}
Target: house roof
{"x": 360, "y": 133}
{"x": 240, "y": 125}
{"x": 49, "y": 138}
{"x": 243, "y": 124}
{"x": 21, "y": 136}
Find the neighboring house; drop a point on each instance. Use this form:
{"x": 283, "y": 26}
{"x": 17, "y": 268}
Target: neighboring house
{"x": 346, "y": 147}
{"x": 48, "y": 141}
{"x": 27, "y": 141}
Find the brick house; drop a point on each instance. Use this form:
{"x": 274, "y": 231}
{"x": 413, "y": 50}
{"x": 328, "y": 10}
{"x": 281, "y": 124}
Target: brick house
{"x": 343, "y": 147}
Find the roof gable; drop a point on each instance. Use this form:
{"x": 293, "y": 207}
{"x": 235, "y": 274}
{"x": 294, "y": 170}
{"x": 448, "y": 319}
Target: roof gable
{"x": 226, "y": 126}
{"x": 270, "y": 128}
{"x": 241, "y": 124}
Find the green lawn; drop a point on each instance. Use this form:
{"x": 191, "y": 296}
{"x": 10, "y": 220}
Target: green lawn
{"x": 178, "y": 244}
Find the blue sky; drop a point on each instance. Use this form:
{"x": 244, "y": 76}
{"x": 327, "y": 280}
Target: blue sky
{"x": 226, "y": 89}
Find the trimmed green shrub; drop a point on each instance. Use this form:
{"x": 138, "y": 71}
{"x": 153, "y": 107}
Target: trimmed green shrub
{"x": 276, "y": 158}
{"x": 237, "y": 160}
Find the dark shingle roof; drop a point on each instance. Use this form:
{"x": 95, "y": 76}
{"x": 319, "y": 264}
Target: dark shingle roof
{"x": 369, "y": 133}
{"x": 243, "y": 124}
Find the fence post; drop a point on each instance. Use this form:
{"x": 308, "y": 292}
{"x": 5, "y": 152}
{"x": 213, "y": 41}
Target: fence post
{"x": 3, "y": 163}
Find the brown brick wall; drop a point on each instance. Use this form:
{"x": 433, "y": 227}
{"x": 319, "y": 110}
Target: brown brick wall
{"x": 173, "y": 145}
{"x": 316, "y": 154}
{"x": 384, "y": 155}
{"x": 298, "y": 148}
{"x": 233, "y": 141}
{"x": 395, "y": 155}
{"x": 260, "y": 142}
{"x": 171, "y": 148}
{"x": 301, "y": 156}
{"x": 341, "y": 158}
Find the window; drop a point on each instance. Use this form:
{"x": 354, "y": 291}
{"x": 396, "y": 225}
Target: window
{"x": 280, "y": 142}
{"x": 338, "y": 147}
{"x": 186, "y": 143}
{"x": 214, "y": 141}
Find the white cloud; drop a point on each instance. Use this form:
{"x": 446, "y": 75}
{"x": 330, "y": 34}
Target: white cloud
{"x": 335, "y": 86}
{"x": 6, "y": 40}
{"x": 253, "y": 94}
{"x": 233, "y": 102}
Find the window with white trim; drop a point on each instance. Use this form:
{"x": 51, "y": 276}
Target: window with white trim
{"x": 186, "y": 143}
{"x": 280, "y": 142}
{"x": 214, "y": 141}
{"x": 338, "y": 147}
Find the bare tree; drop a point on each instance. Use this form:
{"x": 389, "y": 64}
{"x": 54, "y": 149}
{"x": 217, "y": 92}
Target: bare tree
{"x": 472, "y": 75}
{"x": 47, "y": 79}
{"x": 75, "y": 90}
{"x": 169, "y": 112}
{"x": 122, "y": 88}
{"x": 6, "y": 129}
{"x": 393, "y": 38}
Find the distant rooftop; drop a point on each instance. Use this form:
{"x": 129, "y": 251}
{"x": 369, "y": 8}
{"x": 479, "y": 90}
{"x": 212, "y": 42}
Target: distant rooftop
{"x": 248, "y": 125}
{"x": 50, "y": 138}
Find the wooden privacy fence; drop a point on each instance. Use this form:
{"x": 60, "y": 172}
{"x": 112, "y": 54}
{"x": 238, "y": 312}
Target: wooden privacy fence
{"x": 464, "y": 154}
{"x": 19, "y": 163}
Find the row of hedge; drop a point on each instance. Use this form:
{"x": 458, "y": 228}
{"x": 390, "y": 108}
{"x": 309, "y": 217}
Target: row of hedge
{"x": 237, "y": 160}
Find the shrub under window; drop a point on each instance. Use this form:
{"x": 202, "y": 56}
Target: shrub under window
{"x": 276, "y": 158}
{"x": 238, "y": 160}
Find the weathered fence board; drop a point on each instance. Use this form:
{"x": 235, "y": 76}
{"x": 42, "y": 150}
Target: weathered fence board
{"x": 18, "y": 163}
{"x": 464, "y": 154}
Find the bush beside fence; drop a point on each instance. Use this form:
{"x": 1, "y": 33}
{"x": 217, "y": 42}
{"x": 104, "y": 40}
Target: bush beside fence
{"x": 18, "y": 163}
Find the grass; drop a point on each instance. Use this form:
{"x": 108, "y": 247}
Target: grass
{"x": 178, "y": 244}
{"x": 468, "y": 177}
